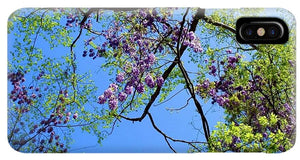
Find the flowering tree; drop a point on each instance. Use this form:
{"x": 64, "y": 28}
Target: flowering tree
{"x": 143, "y": 50}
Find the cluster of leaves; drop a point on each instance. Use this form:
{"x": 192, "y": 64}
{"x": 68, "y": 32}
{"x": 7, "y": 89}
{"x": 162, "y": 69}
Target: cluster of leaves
{"x": 25, "y": 136}
{"x": 242, "y": 138}
{"x": 47, "y": 99}
{"x": 253, "y": 98}
{"x": 256, "y": 88}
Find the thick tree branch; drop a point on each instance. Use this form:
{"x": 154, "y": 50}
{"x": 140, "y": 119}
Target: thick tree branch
{"x": 222, "y": 25}
{"x": 181, "y": 28}
{"x": 199, "y": 14}
{"x": 190, "y": 87}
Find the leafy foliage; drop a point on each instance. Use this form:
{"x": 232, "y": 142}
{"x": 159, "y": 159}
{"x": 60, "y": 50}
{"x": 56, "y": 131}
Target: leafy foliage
{"x": 144, "y": 52}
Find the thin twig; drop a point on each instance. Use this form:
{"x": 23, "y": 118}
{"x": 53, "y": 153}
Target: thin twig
{"x": 169, "y": 98}
{"x": 178, "y": 109}
{"x": 172, "y": 139}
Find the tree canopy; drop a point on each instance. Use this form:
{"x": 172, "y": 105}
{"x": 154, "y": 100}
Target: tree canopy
{"x": 145, "y": 55}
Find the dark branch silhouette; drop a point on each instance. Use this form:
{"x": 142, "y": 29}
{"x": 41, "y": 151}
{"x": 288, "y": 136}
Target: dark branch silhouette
{"x": 172, "y": 139}
{"x": 199, "y": 14}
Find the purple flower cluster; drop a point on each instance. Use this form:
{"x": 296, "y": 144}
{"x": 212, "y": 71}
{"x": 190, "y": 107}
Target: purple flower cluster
{"x": 148, "y": 21}
{"x": 20, "y": 92}
{"x": 227, "y": 94}
{"x": 128, "y": 89}
{"x": 228, "y": 51}
{"x": 94, "y": 53}
{"x": 140, "y": 88}
{"x": 114, "y": 42}
{"x": 150, "y": 59}
{"x": 25, "y": 97}
{"x": 202, "y": 86}
{"x": 287, "y": 107}
{"x": 122, "y": 96}
{"x": 188, "y": 39}
{"x": 232, "y": 61}
{"x": 46, "y": 126}
{"x": 120, "y": 77}
{"x": 108, "y": 93}
{"x": 205, "y": 84}
{"x": 131, "y": 75}
{"x": 113, "y": 102}
{"x": 113, "y": 97}
{"x": 148, "y": 17}
{"x": 160, "y": 81}
{"x": 101, "y": 99}
{"x": 213, "y": 70}
{"x": 149, "y": 81}
{"x": 91, "y": 53}
{"x": 87, "y": 25}
{"x": 71, "y": 19}
{"x": 222, "y": 100}
{"x": 140, "y": 52}
{"x": 222, "y": 88}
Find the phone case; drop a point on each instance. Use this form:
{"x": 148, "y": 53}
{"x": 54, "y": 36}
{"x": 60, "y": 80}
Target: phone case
{"x": 147, "y": 80}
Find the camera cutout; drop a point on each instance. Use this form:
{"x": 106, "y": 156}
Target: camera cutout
{"x": 260, "y": 30}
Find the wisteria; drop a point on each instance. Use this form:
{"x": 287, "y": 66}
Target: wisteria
{"x": 160, "y": 81}
{"x": 225, "y": 94}
{"x": 122, "y": 96}
{"x": 149, "y": 81}
{"x": 143, "y": 58}
{"x": 21, "y": 94}
{"x": 140, "y": 49}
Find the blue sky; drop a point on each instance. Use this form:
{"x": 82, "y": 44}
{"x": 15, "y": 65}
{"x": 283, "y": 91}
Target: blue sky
{"x": 139, "y": 136}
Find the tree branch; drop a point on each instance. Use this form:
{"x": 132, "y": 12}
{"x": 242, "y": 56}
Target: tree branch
{"x": 196, "y": 102}
{"x": 222, "y": 25}
{"x": 199, "y": 14}
{"x": 178, "y": 109}
{"x": 73, "y": 56}
{"x": 169, "y": 98}
{"x": 170, "y": 138}
{"x": 181, "y": 28}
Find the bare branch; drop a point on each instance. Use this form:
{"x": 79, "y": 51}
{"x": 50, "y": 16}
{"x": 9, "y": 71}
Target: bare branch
{"x": 178, "y": 109}
{"x": 170, "y": 145}
{"x": 172, "y": 139}
{"x": 197, "y": 104}
{"x": 169, "y": 98}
